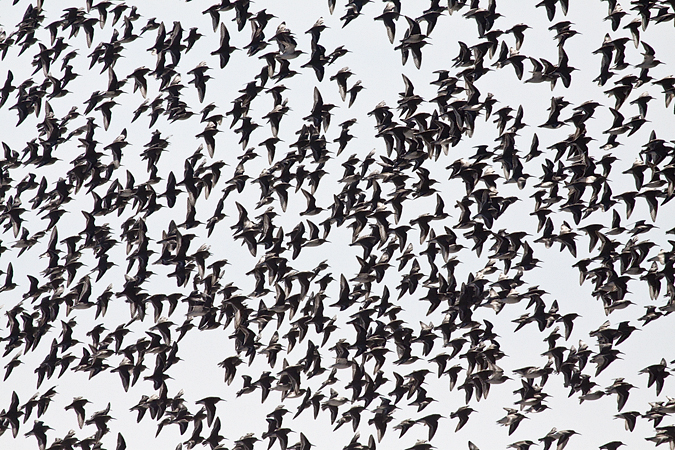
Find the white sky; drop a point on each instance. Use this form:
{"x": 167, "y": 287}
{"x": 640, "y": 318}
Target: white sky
{"x": 373, "y": 60}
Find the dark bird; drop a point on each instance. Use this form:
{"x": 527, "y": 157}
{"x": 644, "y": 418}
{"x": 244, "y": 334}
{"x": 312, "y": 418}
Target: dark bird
{"x": 225, "y": 49}
{"x": 77, "y": 405}
{"x": 657, "y": 375}
{"x": 463, "y": 415}
{"x": 512, "y": 419}
{"x": 388, "y": 17}
{"x": 39, "y": 430}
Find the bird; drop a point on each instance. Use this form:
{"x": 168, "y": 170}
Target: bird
{"x": 77, "y": 405}
{"x": 512, "y": 419}
{"x": 657, "y": 374}
{"x": 389, "y": 15}
{"x": 463, "y": 415}
{"x": 225, "y": 50}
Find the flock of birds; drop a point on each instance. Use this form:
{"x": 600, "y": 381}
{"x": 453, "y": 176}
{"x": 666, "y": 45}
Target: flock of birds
{"x": 359, "y": 362}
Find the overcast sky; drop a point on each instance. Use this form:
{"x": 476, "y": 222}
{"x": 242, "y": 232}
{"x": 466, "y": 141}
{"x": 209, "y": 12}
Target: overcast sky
{"x": 378, "y": 65}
